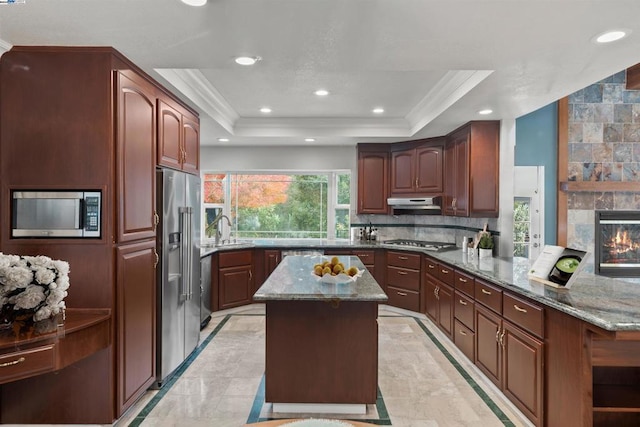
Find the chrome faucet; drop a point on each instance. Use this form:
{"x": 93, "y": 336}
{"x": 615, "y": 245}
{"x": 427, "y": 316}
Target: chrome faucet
{"x": 218, "y": 231}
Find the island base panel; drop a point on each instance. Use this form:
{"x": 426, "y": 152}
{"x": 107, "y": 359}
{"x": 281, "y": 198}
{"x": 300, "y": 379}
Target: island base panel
{"x": 321, "y": 352}
{"x": 320, "y": 408}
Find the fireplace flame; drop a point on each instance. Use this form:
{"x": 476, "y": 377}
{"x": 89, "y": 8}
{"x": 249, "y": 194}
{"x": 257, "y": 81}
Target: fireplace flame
{"x": 622, "y": 243}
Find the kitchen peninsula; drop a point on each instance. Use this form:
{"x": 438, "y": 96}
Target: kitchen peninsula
{"x": 321, "y": 338}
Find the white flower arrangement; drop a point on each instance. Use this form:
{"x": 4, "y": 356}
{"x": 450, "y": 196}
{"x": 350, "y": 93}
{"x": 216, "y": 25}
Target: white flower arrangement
{"x": 32, "y": 288}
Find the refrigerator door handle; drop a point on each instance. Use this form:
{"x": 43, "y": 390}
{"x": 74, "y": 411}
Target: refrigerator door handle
{"x": 186, "y": 255}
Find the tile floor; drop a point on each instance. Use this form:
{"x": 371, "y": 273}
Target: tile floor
{"x": 424, "y": 381}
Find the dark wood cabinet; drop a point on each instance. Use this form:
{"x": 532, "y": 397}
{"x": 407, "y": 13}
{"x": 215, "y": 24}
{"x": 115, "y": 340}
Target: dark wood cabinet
{"x": 373, "y": 179}
{"x": 417, "y": 170}
{"x": 272, "y": 258}
{"x": 135, "y": 320}
{"x": 235, "y": 278}
{"x": 403, "y": 280}
{"x": 488, "y": 350}
{"x": 471, "y": 170}
{"x": 135, "y": 154}
{"x": 438, "y": 298}
{"x": 178, "y": 138}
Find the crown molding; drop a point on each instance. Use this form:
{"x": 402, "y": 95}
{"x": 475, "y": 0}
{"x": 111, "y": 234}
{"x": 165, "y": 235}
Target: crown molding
{"x": 4, "y": 46}
{"x": 196, "y": 87}
{"x": 449, "y": 89}
{"x": 322, "y": 127}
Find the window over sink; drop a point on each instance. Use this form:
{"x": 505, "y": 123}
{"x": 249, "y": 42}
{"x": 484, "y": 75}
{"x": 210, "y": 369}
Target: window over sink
{"x": 282, "y": 205}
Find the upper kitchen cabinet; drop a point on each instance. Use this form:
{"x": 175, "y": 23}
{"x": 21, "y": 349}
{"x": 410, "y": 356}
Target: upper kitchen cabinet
{"x": 373, "y": 178}
{"x": 471, "y": 170}
{"x": 416, "y": 168}
{"x": 178, "y": 137}
{"x": 136, "y": 163}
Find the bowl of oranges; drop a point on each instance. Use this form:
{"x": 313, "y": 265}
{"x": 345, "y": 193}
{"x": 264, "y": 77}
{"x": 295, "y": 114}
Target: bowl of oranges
{"x": 334, "y": 271}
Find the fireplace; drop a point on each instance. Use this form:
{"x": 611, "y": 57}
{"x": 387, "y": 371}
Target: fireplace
{"x": 617, "y": 243}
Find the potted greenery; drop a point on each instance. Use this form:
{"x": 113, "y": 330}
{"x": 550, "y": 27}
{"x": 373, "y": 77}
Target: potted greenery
{"x": 485, "y": 244}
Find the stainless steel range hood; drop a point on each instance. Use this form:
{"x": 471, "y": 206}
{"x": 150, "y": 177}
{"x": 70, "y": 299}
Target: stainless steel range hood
{"x": 415, "y": 205}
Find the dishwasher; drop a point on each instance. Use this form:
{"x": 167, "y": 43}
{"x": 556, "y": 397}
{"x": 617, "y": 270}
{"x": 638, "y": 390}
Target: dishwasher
{"x": 205, "y": 291}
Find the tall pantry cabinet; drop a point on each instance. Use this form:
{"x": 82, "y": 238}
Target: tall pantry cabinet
{"x": 87, "y": 118}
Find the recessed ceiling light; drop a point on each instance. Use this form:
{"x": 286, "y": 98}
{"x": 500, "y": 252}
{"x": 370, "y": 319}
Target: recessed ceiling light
{"x": 247, "y": 60}
{"x": 485, "y": 112}
{"x": 611, "y": 36}
{"x": 322, "y": 92}
{"x": 195, "y": 2}
{"x": 223, "y": 139}
{"x": 378, "y": 110}
{"x": 265, "y": 110}
{"x": 309, "y": 140}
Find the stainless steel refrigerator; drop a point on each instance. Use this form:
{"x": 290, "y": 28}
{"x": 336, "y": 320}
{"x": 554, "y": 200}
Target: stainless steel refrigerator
{"x": 178, "y": 327}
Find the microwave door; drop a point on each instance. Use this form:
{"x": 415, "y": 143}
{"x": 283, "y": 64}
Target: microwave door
{"x": 47, "y": 217}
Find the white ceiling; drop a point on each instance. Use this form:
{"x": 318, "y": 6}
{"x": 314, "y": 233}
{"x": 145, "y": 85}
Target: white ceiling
{"x": 432, "y": 64}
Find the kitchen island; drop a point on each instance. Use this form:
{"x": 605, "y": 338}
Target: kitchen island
{"x": 321, "y": 338}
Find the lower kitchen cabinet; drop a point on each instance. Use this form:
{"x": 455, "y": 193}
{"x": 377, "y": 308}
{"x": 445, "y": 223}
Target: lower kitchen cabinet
{"x": 136, "y": 321}
{"x": 403, "y": 280}
{"x": 438, "y": 297}
{"x": 235, "y": 278}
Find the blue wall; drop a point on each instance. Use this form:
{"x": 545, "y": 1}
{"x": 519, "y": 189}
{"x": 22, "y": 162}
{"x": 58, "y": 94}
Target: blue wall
{"x": 537, "y": 145}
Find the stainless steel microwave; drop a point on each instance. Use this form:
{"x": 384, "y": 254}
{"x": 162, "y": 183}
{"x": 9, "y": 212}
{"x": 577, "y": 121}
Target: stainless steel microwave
{"x": 53, "y": 214}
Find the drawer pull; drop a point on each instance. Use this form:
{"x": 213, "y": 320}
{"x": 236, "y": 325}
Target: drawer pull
{"x": 463, "y": 302}
{"x": 444, "y": 271}
{"x": 15, "y": 362}
{"x": 462, "y": 280}
{"x": 498, "y": 335}
{"x": 521, "y": 310}
{"x": 463, "y": 333}
{"x": 502, "y": 338}
{"x": 486, "y": 292}
{"x": 402, "y": 294}
{"x": 431, "y": 266}
{"x": 403, "y": 273}
{"x": 403, "y": 258}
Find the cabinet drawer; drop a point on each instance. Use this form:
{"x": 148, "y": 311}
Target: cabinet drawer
{"x": 403, "y": 278}
{"x": 464, "y": 309}
{"x": 402, "y": 298}
{"x": 431, "y": 267}
{"x": 234, "y": 258}
{"x": 524, "y": 314}
{"x": 488, "y": 295}
{"x": 403, "y": 259}
{"x": 367, "y": 257}
{"x": 464, "y": 283}
{"x": 446, "y": 274}
{"x": 464, "y": 339}
{"x": 27, "y": 363}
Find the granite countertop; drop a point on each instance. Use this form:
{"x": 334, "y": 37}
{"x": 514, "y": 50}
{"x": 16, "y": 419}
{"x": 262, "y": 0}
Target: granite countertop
{"x": 293, "y": 280}
{"x": 610, "y": 303}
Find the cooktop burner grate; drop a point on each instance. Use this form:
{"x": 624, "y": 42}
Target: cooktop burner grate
{"x": 430, "y": 246}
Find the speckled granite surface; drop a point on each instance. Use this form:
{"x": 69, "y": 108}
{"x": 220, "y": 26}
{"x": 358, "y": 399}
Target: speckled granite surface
{"x": 611, "y": 304}
{"x": 293, "y": 280}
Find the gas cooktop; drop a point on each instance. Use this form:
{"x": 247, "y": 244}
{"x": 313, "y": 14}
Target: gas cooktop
{"x": 421, "y": 244}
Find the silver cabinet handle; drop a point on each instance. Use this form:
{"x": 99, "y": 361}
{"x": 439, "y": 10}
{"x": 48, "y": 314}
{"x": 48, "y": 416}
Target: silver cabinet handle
{"x": 498, "y": 335}
{"x": 444, "y": 271}
{"x": 463, "y": 302}
{"x": 463, "y": 333}
{"x": 484, "y": 291}
{"x": 502, "y": 338}
{"x": 402, "y": 294}
{"x": 403, "y": 273}
{"x": 403, "y": 258}
{"x": 521, "y": 310}
{"x": 462, "y": 280}
{"x": 431, "y": 266}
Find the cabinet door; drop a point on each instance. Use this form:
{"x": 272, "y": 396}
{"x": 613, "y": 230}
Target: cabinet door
{"x": 169, "y": 135}
{"x": 523, "y": 356}
{"x": 431, "y": 301}
{"x": 445, "y": 309}
{"x": 429, "y": 169}
{"x": 484, "y": 169}
{"x": 136, "y": 321}
{"x": 449, "y": 178}
{"x": 403, "y": 179}
{"x": 488, "y": 350}
{"x": 373, "y": 182}
{"x": 190, "y": 144}
{"x": 235, "y": 286}
{"x": 457, "y": 174}
{"x": 136, "y": 157}
{"x": 271, "y": 261}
